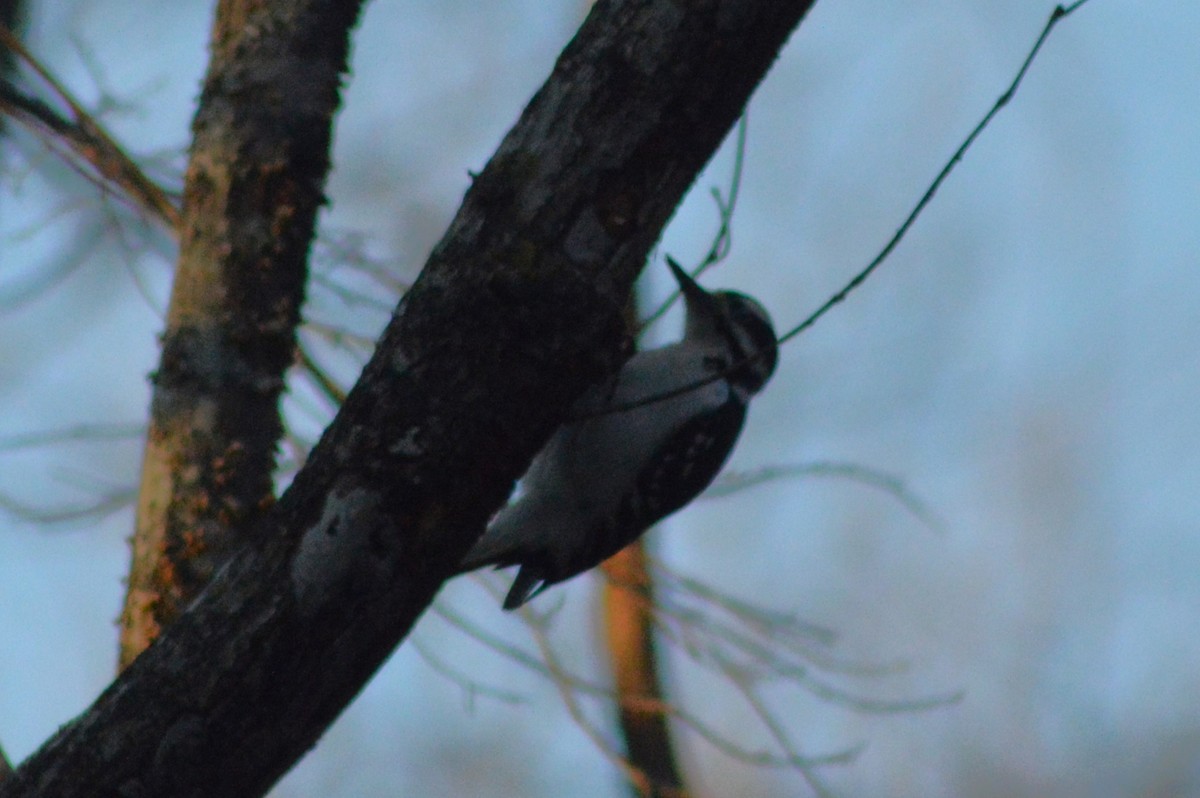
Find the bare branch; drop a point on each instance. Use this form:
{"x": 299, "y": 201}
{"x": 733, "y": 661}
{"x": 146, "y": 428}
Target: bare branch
{"x": 643, "y": 781}
{"x": 1059, "y": 13}
{"x": 777, "y": 730}
{"x": 628, "y": 617}
{"x": 110, "y": 502}
{"x": 689, "y": 720}
{"x": 80, "y": 433}
{"x": 722, "y": 241}
{"x": 890, "y": 484}
{"x": 83, "y": 135}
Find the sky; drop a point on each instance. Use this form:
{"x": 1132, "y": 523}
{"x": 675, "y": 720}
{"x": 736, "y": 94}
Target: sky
{"x": 1023, "y": 364}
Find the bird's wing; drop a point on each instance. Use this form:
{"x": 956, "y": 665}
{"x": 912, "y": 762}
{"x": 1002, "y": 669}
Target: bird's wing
{"x": 690, "y": 459}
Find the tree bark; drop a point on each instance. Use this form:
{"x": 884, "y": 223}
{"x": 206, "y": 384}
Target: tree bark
{"x": 516, "y": 312}
{"x": 259, "y": 156}
{"x": 629, "y": 627}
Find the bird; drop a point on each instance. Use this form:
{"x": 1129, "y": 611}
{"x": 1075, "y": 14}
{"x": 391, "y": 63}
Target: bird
{"x": 636, "y": 447}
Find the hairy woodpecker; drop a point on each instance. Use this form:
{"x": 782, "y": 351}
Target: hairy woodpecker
{"x": 635, "y": 453}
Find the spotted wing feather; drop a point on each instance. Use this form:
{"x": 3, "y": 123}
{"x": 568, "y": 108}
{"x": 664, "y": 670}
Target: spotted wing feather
{"x": 689, "y": 461}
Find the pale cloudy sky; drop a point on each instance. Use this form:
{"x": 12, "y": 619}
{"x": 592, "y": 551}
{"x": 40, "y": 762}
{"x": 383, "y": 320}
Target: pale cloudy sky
{"x": 1025, "y": 362}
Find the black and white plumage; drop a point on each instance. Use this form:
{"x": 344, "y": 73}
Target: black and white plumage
{"x": 604, "y": 479}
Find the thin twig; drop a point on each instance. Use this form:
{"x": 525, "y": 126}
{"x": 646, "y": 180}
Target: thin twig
{"x": 105, "y": 505}
{"x": 470, "y": 687}
{"x": 327, "y": 385}
{"x": 778, "y": 732}
{"x": 85, "y": 136}
{"x": 80, "y": 433}
{"x": 692, "y": 722}
{"x": 889, "y": 483}
{"x": 1059, "y": 13}
{"x": 723, "y": 240}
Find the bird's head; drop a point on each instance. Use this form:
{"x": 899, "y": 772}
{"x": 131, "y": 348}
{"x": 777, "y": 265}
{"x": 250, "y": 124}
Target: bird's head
{"x": 734, "y": 323}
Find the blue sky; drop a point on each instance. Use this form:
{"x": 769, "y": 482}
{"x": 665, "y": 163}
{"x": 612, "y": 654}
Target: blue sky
{"x": 1025, "y": 363}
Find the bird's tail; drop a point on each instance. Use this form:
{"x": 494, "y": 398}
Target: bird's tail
{"x": 500, "y": 544}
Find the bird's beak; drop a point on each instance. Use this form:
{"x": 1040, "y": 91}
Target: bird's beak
{"x": 692, "y": 292}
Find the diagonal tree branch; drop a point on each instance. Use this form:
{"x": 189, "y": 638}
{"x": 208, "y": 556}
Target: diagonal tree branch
{"x": 517, "y": 310}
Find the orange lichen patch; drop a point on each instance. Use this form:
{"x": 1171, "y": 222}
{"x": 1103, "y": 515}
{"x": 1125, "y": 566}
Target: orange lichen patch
{"x": 138, "y": 627}
{"x": 194, "y": 543}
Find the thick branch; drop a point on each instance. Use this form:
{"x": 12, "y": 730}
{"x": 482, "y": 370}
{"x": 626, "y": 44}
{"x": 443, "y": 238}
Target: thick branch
{"x": 517, "y": 310}
{"x": 259, "y": 157}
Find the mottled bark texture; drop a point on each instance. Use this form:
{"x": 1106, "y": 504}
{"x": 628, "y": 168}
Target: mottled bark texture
{"x": 517, "y": 310}
{"x": 259, "y": 156}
